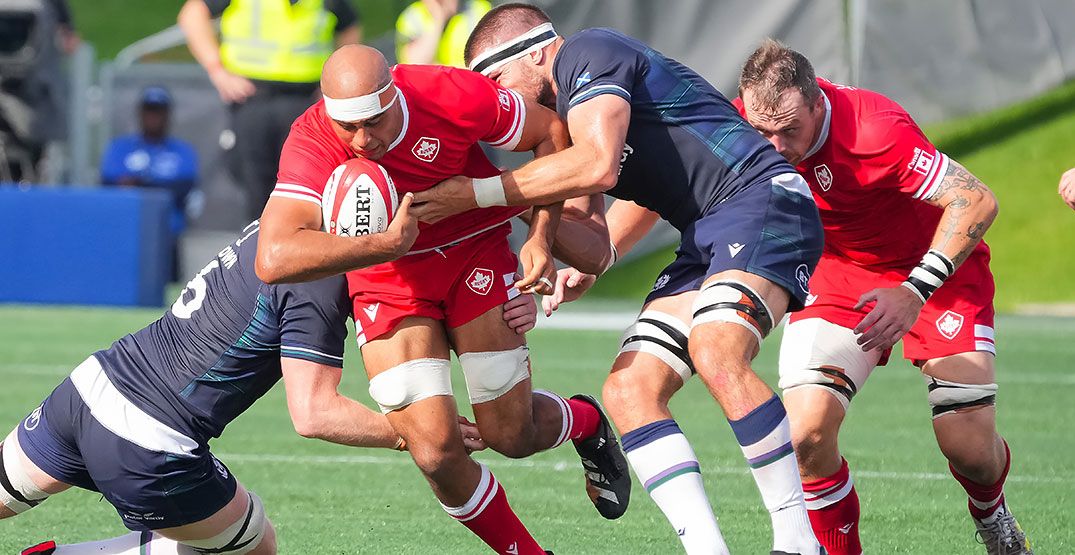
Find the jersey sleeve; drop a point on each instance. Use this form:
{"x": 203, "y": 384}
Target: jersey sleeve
{"x": 497, "y": 115}
{"x": 896, "y": 154}
{"x": 313, "y": 320}
{"x": 306, "y": 162}
{"x": 591, "y": 64}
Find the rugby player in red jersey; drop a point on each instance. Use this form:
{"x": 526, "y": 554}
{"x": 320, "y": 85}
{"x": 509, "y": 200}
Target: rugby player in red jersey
{"x": 424, "y": 124}
{"x": 903, "y": 258}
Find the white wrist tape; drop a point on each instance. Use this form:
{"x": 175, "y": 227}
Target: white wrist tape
{"x": 930, "y": 274}
{"x": 612, "y": 259}
{"x": 489, "y": 192}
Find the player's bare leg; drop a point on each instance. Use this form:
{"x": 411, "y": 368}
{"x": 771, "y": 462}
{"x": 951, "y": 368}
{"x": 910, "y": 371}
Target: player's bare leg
{"x": 408, "y": 370}
{"x": 518, "y": 422}
{"x": 29, "y": 484}
{"x": 723, "y": 342}
{"x": 637, "y": 393}
{"x": 962, "y": 388}
{"x": 822, "y": 367}
{"x": 815, "y": 416}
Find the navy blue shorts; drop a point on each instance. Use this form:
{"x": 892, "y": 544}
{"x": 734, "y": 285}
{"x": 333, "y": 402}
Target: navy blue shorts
{"x": 150, "y": 490}
{"x": 767, "y": 230}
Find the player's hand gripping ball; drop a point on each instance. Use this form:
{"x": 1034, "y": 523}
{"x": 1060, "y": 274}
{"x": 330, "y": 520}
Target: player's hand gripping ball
{"x": 359, "y": 199}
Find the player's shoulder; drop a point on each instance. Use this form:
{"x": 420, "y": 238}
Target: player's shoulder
{"x": 865, "y": 120}
{"x": 437, "y": 82}
{"x": 597, "y": 44}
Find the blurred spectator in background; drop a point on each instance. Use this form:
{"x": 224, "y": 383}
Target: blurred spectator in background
{"x": 1067, "y": 187}
{"x": 435, "y": 31}
{"x": 266, "y": 66}
{"x": 34, "y": 35}
{"x": 151, "y": 158}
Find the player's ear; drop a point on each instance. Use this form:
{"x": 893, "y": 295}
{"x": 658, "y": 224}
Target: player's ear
{"x": 538, "y": 57}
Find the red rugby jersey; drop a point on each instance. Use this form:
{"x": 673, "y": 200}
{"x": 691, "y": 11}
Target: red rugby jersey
{"x": 870, "y": 171}
{"x": 446, "y": 113}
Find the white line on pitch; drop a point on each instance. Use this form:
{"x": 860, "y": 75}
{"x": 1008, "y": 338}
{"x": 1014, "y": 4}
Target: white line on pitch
{"x": 562, "y": 466}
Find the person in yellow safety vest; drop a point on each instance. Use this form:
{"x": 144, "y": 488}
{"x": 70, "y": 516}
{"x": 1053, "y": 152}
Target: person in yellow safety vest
{"x": 266, "y": 67}
{"x": 435, "y": 31}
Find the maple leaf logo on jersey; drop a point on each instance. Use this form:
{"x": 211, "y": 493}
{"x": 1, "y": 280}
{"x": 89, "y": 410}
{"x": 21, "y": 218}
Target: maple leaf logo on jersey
{"x": 824, "y": 177}
{"x": 426, "y": 149}
{"x": 949, "y": 324}
{"x": 480, "y": 281}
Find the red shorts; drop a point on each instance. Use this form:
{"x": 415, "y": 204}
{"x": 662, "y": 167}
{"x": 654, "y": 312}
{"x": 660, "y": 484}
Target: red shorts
{"x": 455, "y": 284}
{"x": 958, "y": 318}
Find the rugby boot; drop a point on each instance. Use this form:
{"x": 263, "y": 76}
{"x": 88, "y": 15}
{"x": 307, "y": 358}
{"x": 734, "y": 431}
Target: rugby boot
{"x": 43, "y": 548}
{"x": 1003, "y": 536}
{"x": 608, "y": 480}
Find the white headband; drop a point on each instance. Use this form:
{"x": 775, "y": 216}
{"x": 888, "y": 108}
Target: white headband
{"x": 535, "y": 39}
{"x": 359, "y": 107}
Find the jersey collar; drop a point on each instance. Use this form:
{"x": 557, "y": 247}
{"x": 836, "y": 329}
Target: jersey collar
{"x": 824, "y": 135}
{"x": 406, "y": 119}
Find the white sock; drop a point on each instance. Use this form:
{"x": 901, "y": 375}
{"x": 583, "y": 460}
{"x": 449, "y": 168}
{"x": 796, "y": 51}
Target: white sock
{"x": 134, "y": 543}
{"x": 765, "y": 437}
{"x": 665, "y": 463}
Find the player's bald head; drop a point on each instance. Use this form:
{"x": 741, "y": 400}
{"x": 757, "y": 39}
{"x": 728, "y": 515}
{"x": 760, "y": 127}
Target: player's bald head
{"x": 354, "y": 70}
{"x": 772, "y": 70}
{"x": 500, "y": 25}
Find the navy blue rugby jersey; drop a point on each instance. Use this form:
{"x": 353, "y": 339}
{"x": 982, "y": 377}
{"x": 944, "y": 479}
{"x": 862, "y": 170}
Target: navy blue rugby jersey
{"x": 687, "y": 147}
{"x": 218, "y": 348}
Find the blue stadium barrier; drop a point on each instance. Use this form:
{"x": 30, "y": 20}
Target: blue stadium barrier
{"x": 99, "y": 246}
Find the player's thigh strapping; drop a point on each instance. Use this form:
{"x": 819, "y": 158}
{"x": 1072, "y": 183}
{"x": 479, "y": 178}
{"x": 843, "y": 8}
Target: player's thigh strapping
{"x": 815, "y": 353}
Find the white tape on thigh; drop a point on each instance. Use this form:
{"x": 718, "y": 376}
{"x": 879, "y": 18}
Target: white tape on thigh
{"x": 818, "y": 353}
{"x": 410, "y": 382}
{"x": 663, "y": 336}
{"x": 241, "y": 537}
{"x": 733, "y": 302}
{"x": 946, "y": 397}
{"x": 17, "y": 491}
{"x": 492, "y": 374}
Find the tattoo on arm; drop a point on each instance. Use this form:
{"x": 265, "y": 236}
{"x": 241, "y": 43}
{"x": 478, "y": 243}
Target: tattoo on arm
{"x": 969, "y": 208}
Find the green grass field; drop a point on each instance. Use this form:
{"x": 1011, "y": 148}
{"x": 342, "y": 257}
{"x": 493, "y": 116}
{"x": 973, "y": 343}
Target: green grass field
{"x": 330, "y": 499}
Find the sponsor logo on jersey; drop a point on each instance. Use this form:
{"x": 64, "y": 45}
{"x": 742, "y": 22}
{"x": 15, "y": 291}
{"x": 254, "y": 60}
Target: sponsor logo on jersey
{"x": 426, "y": 149}
{"x": 921, "y": 162}
{"x": 735, "y": 248}
{"x": 802, "y": 275}
{"x": 627, "y": 151}
{"x": 34, "y": 419}
{"x": 505, "y": 99}
{"x": 371, "y": 311}
{"x": 480, "y": 281}
{"x": 661, "y": 282}
{"x": 949, "y": 324}
{"x": 824, "y": 176}
{"x": 810, "y": 300}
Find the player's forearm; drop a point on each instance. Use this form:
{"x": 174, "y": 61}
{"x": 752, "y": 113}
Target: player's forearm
{"x": 544, "y": 222}
{"x": 308, "y": 255}
{"x": 195, "y": 22}
{"x": 969, "y": 209}
{"x": 570, "y": 173}
{"x": 348, "y": 422}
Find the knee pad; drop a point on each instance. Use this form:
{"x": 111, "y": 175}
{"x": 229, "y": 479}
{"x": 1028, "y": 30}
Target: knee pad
{"x": 491, "y": 374}
{"x": 17, "y": 491}
{"x": 663, "y": 336}
{"x": 736, "y": 303}
{"x": 410, "y": 382}
{"x": 817, "y": 353}
{"x": 239, "y": 538}
{"x": 947, "y": 397}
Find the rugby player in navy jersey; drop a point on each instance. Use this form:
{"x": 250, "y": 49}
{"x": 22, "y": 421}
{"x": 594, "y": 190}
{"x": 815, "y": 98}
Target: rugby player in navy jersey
{"x": 134, "y": 421}
{"x": 654, "y": 134}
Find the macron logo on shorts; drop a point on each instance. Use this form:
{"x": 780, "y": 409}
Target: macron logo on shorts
{"x": 371, "y": 311}
{"x": 480, "y": 281}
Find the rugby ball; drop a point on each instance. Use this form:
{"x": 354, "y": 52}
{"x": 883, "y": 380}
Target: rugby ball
{"x": 359, "y": 199}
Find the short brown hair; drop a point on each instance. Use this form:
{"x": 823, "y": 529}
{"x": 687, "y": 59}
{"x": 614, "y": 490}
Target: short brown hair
{"x": 497, "y": 20}
{"x": 774, "y": 68}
